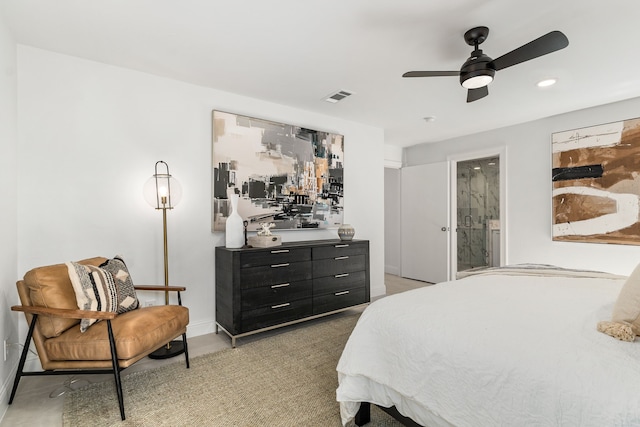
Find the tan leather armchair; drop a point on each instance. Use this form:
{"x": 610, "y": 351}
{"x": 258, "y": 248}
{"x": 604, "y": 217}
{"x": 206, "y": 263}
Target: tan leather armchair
{"x": 108, "y": 346}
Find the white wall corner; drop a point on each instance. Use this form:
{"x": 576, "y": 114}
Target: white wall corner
{"x": 392, "y": 164}
{"x": 392, "y": 156}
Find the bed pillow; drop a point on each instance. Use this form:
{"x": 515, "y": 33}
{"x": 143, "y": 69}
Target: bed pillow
{"x": 627, "y": 307}
{"x": 625, "y": 321}
{"x": 106, "y": 288}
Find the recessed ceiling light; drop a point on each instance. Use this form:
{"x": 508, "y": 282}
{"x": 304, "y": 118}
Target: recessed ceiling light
{"x": 547, "y": 82}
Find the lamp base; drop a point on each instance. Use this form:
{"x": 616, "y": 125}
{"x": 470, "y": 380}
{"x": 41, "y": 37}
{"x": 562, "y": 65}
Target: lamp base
{"x": 175, "y": 348}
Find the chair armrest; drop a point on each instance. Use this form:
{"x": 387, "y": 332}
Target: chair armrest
{"x": 65, "y": 313}
{"x": 159, "y": 288}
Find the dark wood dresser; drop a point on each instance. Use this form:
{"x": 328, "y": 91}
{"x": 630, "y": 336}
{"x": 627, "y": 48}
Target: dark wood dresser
{"x": 258, "y": 289}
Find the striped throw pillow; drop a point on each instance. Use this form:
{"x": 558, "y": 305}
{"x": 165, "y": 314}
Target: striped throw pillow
{"x": 107, "y": 288}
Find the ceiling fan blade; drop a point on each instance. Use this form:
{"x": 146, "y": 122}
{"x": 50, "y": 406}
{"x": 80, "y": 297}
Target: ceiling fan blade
{"x": 475, "y": 94}
{"x": 550, "y": 42}
{"x": 430, "y": 73}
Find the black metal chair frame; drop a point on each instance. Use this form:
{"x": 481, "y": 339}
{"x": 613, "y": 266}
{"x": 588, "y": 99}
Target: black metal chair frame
{"x": 116, "y": 369}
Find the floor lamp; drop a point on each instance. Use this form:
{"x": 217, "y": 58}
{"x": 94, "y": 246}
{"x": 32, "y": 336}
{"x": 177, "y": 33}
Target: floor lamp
{"x": 162, "y": 192}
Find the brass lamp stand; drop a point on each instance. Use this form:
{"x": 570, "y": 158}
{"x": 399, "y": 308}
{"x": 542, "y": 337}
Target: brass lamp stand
{"x": 162, "y": 191}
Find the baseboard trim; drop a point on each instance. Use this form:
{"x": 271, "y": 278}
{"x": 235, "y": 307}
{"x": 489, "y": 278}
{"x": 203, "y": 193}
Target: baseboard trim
{"x": 7, "y": 384}
{"x": 392, "y": 269}
{"x": 200, "y": 328}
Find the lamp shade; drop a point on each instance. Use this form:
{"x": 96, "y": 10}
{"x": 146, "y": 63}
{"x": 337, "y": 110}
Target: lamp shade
{"x": 162, "y": 191}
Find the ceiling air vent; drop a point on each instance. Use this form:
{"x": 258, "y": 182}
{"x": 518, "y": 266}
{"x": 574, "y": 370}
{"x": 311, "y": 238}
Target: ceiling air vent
{"x": 338, "y": 96}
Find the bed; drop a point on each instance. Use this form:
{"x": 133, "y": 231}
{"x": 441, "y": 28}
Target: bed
{"x": 510, "y": 346}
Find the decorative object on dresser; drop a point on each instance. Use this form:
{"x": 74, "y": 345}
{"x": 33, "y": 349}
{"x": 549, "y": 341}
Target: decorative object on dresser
{"x": 162, "y": 192}
{"x": 346, "y": 232}
{"x": 264, "y": 238}
{"x": 234, "y": 227}
{"x": 258, "y": 289}
{"x": 285, "y": 174}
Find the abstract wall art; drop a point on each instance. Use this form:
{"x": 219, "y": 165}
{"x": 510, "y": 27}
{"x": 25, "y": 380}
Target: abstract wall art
{"x": 284, "y": 174}
{"x": 596, "y": 183}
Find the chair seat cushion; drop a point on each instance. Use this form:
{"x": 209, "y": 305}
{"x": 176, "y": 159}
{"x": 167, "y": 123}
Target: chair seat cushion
{"x": 136, "y": 332}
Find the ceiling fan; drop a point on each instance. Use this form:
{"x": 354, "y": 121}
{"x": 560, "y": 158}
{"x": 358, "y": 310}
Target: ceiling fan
{"x": 478, "y": 71}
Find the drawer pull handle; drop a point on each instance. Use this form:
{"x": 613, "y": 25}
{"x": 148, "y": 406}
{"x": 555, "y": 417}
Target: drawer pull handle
{"x": 337, "y": 276}
{"x": 282, "y": 285}
{"x": 341, "y": 246}
{"x": 341, "y": 257}
{"x": 341, "y": 293}
{"x": 281, "y": 251}
{"x": 279, "y": 265}
{"x": 286, "y": 304}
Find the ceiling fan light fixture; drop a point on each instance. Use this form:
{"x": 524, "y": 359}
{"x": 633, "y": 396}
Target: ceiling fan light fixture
{"x": 478, "y": 81}
{"x": 478, "y": 70}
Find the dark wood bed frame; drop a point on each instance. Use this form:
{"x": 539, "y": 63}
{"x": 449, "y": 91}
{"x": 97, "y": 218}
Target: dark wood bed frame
{"x": 364, "y": 415}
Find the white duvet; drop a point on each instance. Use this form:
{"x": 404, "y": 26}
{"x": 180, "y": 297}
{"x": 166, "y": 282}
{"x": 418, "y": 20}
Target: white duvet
{"x": 495, "y": 350}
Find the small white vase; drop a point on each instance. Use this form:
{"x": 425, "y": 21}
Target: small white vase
{"x": 234, "y": 231}
{"x": 346, "y": 232}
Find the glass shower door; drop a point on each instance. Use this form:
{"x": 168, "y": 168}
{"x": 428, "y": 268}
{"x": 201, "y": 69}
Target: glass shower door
{"x": 478, "y": 212}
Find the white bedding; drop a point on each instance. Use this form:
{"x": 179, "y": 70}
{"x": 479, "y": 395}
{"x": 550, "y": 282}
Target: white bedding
{"x": 495, "y": 350}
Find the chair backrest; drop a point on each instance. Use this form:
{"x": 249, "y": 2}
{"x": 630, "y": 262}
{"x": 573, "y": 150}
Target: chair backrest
{"x": 51, "y": 287}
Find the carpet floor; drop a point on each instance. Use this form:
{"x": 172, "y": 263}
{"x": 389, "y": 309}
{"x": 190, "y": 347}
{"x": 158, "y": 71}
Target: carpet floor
{"x": 288, "y": 379}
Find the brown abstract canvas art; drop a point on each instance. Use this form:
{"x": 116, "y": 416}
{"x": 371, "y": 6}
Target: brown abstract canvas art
{"x": 285, "y": 175}
{"x": 596, "y": 183}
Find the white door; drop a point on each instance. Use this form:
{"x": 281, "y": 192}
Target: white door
{"x": 424, "y": 214}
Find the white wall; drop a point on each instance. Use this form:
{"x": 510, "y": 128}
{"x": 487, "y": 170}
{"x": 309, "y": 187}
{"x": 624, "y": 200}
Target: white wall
{"x": 392, "y": 156}
{"x": 529, "y": 187}
{"x": 90, "y": 135}
{"x": 392, "y": 221}
{"x": 8, "y": 211}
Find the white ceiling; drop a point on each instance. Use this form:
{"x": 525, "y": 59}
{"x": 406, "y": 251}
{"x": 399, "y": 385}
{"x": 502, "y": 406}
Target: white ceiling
{"x": 296, "y": 52}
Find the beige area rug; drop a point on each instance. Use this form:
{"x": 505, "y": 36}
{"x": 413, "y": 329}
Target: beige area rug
{"x": 288, "y": 379}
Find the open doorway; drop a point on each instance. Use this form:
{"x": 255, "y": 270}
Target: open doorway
{"x": 478, "y": 213}
{"x": 478, "y": 210}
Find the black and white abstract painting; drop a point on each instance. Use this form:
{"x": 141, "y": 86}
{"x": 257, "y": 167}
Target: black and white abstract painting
{"x": 284, "y": 174}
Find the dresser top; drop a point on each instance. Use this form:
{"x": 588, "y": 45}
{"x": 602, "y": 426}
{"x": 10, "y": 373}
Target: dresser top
{"x": 301, "y": 243}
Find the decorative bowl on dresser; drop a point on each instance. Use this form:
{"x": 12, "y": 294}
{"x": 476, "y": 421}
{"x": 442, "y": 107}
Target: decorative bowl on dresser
{"x": 259, "y": 289}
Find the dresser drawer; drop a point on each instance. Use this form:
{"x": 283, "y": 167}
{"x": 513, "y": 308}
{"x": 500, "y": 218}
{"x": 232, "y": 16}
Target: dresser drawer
{"x": 275, "y": 314}
{"x": 264, "y": 288}
{"x": 275, "y": 274}
{"x": 339, "y": 265}
{"x": 275, "y": 255}
{"x": 339, "y": 282}
{"x": 340, "y": 249}
{"x": 276, "y": 294}
{"x": 338, "y": 300}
